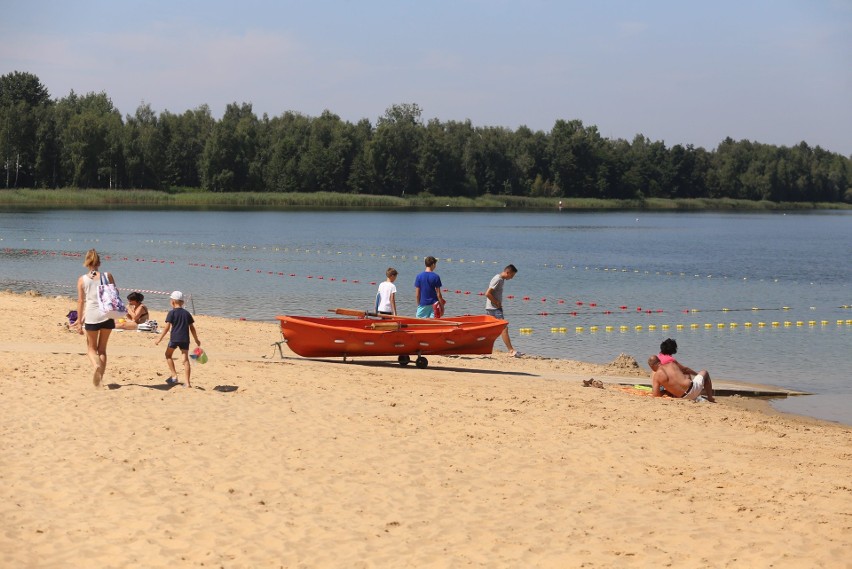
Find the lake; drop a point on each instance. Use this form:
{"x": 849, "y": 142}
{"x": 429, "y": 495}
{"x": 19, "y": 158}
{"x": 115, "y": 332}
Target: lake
{"x": 758, "y": 297}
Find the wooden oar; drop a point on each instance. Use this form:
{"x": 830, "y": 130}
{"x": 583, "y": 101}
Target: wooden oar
{"x": 398, "y": 325}
{"x": 358, "y": 313}
{"x": 364, "y": 314}
{"x": 385, "y": 326}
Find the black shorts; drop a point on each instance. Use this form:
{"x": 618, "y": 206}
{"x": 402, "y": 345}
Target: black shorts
{"x": 105, "y": 325}
{"x": 184, "y": 346}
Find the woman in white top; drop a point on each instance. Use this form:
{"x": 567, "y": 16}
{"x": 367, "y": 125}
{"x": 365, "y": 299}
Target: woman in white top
{"x": 97, "y": 326}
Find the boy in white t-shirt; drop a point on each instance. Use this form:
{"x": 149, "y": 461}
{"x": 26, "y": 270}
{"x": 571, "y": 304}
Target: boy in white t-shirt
{"x": 386, "y": 297}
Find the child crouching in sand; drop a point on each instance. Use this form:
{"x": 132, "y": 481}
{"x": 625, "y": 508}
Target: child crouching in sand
{"x": 180, "y": 322}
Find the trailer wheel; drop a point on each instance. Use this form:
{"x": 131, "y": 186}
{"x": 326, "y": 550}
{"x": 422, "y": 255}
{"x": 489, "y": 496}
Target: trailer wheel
{"x": 404, "y": 360}
{"x": 421, "y": 362}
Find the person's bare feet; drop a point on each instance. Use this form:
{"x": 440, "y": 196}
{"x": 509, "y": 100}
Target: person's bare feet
{"x": 97, "y": 377}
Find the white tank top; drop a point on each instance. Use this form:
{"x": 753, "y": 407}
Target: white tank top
{"x": 92, "y": 312}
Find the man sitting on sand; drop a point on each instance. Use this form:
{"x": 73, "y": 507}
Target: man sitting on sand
{"x": 669, "y": 376}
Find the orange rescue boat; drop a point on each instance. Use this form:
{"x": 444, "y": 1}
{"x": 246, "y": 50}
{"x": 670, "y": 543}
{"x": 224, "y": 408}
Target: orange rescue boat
{"x": 316, "y": 337}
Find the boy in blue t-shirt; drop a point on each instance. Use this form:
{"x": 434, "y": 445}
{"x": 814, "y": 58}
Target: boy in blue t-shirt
{"x": 181, "y": 323}
{"x": 427, "y": 290}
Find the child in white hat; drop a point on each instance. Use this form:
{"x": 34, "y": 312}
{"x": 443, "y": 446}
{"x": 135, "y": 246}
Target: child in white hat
{"x": 180, "y": 323}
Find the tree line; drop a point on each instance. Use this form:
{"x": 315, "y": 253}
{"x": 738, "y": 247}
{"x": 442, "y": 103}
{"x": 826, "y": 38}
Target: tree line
{"x": 82, "y": 141}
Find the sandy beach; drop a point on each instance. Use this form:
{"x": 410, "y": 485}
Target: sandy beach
{"x": 484, "y": 461}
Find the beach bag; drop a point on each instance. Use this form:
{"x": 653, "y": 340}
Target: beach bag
{"x": 109, "y": 301}
{"x": 72, "y": 317}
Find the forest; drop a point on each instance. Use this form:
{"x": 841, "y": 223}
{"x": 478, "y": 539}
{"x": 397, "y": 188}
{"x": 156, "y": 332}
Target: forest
{"x": 82, "y": 141}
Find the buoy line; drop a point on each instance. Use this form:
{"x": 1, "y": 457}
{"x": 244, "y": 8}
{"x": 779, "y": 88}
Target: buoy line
{"x": 419, "y": 259}
{"x": 582, "y": 310}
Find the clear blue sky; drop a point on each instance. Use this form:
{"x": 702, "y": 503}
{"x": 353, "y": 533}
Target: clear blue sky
{"x": 680, "y": 71}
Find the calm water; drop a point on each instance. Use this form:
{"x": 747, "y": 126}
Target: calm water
{"x": 586, "y": 280}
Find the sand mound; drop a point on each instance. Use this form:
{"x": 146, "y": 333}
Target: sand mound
{"x": 623, "y": 364}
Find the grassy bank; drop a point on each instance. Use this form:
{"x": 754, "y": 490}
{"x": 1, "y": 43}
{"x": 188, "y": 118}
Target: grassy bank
{"x": 196, "y": 199}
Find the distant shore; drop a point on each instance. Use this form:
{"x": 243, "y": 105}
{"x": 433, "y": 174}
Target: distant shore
{"x": 198, "y": 199}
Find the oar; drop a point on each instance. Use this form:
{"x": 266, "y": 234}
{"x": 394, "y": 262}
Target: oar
{"x": 357, "y": 313}
{"x": 398, "y": 325}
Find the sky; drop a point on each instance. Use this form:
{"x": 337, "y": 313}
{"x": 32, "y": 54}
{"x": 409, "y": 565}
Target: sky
{"x": 678, "y": 71}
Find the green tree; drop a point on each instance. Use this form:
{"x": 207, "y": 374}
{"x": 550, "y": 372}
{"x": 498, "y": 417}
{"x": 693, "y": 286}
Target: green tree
{"x": 145, "y": 146}
{"x": 186, "y": 136}
{"x": 441, "y": 167}
{"x": 687, "y": 170}
{"x": 575, "y": 157}
{"x": 362, "y": 174}
{"x": 288, "y": 137}
{"x": 229, "y": 162}
{"x": 90, "y": 133}
{"x": 395, "y": 150}
{"x": 529, "y": 152}
{"x": 22, "y": 101}
{"x": 327, "y": 155}
{"x": 489, "y": 163}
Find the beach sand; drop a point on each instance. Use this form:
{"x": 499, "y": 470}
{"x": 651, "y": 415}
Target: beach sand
{"x": 482, "y": 461}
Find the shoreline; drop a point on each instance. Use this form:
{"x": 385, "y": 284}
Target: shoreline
{"x": 625, "y": 367}
{"x": 478, "y": 460}
{"x": 70, "y": 198}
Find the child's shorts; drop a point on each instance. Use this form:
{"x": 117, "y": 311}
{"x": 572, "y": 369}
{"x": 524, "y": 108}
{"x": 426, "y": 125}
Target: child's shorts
{"x": 184, "y": 346}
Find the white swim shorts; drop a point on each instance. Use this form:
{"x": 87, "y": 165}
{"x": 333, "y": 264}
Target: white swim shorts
{"x": 696, "y": 388}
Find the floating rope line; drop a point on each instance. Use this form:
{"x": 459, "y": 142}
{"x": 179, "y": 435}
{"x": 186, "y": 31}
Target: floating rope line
{"x": 583, "y": 307}
{"x": 419, "y": 258}
{"x": 732, "y": 326}
{"x": 74, "y": 287}
{"x": 411, "y": 258}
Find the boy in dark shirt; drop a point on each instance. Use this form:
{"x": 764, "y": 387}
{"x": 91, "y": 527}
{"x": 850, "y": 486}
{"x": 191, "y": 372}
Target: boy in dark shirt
{"x": 181, "y": 323}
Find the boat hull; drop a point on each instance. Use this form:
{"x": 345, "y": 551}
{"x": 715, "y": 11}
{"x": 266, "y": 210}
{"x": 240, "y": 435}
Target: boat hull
{"x": 350, "y": 337}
